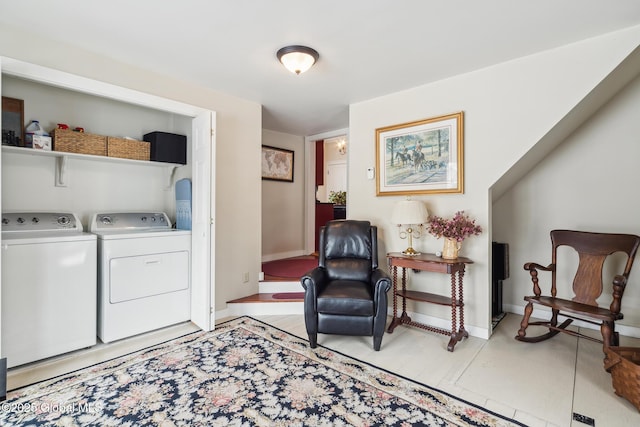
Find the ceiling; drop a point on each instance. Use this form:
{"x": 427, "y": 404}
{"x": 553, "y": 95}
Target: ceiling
{"x": 368, "y": 48}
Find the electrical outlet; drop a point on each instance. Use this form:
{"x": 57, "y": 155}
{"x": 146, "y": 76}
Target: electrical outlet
{"x": 245, "y": 277}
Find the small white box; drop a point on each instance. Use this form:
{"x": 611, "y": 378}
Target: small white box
{"x": 41, "y": 142}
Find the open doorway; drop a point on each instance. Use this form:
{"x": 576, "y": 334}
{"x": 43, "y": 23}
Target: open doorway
{"x": 334, "y": 169}
{"x": 336, "y": 144}
{"x": 331, "y": 182}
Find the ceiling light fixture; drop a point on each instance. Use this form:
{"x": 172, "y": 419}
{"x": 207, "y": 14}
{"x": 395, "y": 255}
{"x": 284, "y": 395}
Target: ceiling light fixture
{"x": 297, "y": 59}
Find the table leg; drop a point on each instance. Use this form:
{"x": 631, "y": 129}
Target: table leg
{"x": 457, "y": 303}
{"x": 463, "y": 332}
{"x": 394, "y": 280}
{"x": 454, "y": 313}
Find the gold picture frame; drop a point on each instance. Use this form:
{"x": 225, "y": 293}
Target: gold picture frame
{"x": 421, "y": 157}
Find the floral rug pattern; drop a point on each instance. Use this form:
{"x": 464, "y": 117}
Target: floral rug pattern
{"x": 245, "y": 373}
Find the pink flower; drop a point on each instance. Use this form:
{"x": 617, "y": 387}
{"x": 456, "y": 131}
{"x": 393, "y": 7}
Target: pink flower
{"x": 458, "y": 228}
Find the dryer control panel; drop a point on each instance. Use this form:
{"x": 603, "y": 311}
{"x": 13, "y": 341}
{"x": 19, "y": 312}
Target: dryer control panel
{"x": 133, "y": 221}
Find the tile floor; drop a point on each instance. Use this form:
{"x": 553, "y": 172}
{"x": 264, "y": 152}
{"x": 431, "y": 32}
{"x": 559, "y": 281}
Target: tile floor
{"x": 538, "y": 384}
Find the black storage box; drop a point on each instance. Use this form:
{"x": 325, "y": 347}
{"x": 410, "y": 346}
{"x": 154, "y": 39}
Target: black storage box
{"x": 167, "y": 147}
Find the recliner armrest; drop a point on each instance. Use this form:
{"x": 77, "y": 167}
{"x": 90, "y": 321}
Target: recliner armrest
{"x": 314, "y": 279}
{"x": 380, "y": 279}
{"x": 381, "y": 284}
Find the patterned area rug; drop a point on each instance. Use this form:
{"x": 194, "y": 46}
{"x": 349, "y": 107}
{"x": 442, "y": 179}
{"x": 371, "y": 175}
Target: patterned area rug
{"x": 245, "y": 373}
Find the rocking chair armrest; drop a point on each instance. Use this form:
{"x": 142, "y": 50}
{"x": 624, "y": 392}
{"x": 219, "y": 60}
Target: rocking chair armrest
{"x": 620, "y": 280}
{"x": 619, "y": 283}
{"x": 530, "y": 266}
{"x": 533, "y": 268}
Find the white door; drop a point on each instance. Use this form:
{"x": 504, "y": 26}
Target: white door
{"x": 202, "y": 227}
{"x": 336, "y": 179}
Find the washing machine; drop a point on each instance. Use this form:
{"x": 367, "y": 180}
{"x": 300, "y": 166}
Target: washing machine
{"x": 144, "y": 273}
{"x": 49, "y": 287}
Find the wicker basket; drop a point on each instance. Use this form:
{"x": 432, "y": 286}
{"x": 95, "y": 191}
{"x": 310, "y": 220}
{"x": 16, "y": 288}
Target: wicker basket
{"x": 624, "y": 365}
{"x": 128, "y": 148}
{"x": 79, "y": 142}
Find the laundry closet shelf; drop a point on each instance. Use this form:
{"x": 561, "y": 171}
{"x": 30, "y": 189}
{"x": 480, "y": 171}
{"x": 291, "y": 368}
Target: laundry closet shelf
{"x": 62, "y": 162}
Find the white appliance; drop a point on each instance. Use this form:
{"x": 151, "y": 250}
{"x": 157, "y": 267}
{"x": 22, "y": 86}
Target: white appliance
{"x": 48, "y": 286}
{"x": 144, "y": 273}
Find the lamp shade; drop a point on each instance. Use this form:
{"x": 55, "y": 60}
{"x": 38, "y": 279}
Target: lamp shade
{"x": 409, "y": 212}
{"x": 297, "y": 59}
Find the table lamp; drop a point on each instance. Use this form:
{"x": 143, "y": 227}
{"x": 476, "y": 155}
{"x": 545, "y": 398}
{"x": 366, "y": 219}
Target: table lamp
{"x": 409, "y": 215}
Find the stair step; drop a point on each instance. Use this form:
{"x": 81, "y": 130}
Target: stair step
{"x": 280, "y": 287}
{"x": 265, "y": 304}
{"x": 271, "y": 297}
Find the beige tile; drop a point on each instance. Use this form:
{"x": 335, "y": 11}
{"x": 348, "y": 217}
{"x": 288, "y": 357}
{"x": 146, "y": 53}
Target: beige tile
{"x": 594, "y": 394}
{"x": 537, "y": 378}
{"x": 500, "y": 408}
{"x": 529, "y": 419}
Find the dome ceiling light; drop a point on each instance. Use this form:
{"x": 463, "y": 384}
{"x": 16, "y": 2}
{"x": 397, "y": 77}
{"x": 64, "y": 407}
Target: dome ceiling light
{"x": 297, "y": 59}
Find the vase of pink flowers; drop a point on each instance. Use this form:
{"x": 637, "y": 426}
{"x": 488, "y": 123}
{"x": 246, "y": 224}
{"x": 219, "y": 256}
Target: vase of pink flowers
{"x": 454, "y": 231}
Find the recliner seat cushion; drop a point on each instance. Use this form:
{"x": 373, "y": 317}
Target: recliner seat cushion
{"x": 346, "y": 297}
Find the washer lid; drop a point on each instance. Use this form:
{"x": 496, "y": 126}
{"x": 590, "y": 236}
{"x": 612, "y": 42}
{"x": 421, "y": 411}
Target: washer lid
{"x": 37, "y": 237}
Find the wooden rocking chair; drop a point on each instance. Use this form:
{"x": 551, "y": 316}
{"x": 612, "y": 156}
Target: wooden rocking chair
{"x": 593, "y": 249}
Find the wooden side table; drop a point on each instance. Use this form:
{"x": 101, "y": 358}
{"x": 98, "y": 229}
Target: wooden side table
{"x": 429, "y": 262}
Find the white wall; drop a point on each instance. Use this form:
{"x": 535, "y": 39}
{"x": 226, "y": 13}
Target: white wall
{"x": 589, "y": 183}
{"x": 239, "y": 123}
{"x": 508, "y": 109}
{"x": 283, "y": 203}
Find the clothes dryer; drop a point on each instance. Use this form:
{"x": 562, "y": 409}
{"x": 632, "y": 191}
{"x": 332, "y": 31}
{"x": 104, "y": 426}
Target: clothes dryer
{"x": 144, "y": 273}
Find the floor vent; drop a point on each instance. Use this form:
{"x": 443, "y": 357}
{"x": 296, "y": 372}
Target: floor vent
{"x": 584, "y": 419}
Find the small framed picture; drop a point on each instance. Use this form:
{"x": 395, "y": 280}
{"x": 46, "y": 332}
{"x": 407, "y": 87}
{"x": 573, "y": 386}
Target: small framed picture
{"x": 12, "y": 121}
{"x": 277, "y": 164}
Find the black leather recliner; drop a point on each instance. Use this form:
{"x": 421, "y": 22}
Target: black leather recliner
{"x": 347, "y": 293}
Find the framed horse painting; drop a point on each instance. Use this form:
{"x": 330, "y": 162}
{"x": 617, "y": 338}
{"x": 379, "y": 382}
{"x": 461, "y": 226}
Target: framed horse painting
{"x": 421, "y": 157}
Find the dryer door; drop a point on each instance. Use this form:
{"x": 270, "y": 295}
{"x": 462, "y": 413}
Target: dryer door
{"x": 143, "y": 276}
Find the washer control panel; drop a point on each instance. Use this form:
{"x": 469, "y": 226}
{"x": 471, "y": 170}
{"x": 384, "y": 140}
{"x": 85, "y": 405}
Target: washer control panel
{"x": 123, "y": 221}
{"x": 40, "y": 221}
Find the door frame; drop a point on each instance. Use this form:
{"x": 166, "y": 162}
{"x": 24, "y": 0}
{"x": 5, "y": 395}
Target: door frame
{"x": 310, "y": 184}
